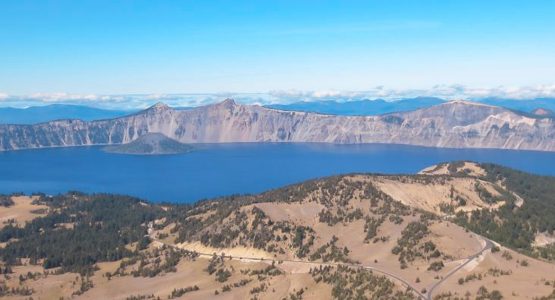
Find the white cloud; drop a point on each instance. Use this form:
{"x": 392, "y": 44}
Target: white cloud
{"x": 60, "y": 97}
{"x": 440, "y": 91}
{"x": 182, "y": 100}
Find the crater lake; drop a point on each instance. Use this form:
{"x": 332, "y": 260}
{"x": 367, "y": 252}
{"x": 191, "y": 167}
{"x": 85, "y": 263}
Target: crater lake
{"x": 213, "y": 170}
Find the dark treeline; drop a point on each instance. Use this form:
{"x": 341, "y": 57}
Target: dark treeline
{"x": 6, "y": 200}
{"x": 512, "y": 225}
{"x": 79, "y": 231}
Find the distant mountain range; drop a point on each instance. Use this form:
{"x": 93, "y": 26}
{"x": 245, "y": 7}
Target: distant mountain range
{"x": 522, "y": 105}
{"x": 454, "y": 124}
{"x": 39, "y": 114}
{"x": 360, "y": 107}
{"x": 380, "y": 106}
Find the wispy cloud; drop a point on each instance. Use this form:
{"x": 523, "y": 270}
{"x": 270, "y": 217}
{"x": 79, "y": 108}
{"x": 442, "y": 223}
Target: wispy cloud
{"x": 440, "y": 91}
{"x": 279, "y": 96}
{"x": 128, "y": 102}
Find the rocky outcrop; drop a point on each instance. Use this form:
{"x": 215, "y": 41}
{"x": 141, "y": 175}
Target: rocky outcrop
{"x": 455, "y": 124}
{"x": 543, "y": 112}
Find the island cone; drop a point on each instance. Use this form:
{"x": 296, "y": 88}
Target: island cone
{"x": 150, "y": 144}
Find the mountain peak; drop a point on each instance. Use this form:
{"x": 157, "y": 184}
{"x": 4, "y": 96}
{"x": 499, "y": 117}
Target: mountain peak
{"x": 465, "y": 102}
{"x": 542, "y": 112}
{"x": 228, "y": 102}
{"x": 160, "y": 106}
{"x": 460, "y": 104}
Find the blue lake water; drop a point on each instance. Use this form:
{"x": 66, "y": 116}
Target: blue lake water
{"x": 216, "y": 170}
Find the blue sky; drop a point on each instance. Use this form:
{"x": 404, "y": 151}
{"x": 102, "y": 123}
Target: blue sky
{"x": 163, "y": 47}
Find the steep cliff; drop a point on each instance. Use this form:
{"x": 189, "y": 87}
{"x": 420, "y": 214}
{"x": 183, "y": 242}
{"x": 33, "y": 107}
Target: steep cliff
{"x": 455, "y": 124}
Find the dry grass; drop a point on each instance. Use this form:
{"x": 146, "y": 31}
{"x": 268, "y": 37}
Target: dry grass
{"x": 429, "y": 196}
{"x": 22, "y": 211}
{"x": 454, "y": 243}
{"x": 522, "y": 283}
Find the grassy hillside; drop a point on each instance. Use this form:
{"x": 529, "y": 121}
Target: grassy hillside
{"x": 356, "y": 236}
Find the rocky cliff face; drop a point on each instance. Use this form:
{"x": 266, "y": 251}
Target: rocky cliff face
{"x": 455, "y": 124}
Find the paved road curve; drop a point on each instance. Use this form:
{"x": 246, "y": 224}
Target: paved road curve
{"x": 243, "y": 258}
{"x": 489, "y": 244}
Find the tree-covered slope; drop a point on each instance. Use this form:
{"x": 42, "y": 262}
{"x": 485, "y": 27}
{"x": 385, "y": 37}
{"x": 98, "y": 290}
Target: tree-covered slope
{"x": 356, "y": 236}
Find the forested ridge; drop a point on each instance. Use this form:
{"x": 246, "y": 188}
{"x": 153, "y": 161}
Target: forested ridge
{"x": 81, "y": 230}
{"x": 516, "y": 225}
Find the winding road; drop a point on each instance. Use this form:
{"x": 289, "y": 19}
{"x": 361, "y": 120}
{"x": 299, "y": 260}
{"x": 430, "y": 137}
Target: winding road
{"x": 257, "y": 259}
{"x": 489, "y": 244}
{"x": 427, "y": 296}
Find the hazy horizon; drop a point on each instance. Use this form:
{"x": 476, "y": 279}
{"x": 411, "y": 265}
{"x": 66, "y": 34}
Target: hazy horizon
{"x": 138, "y": 101}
